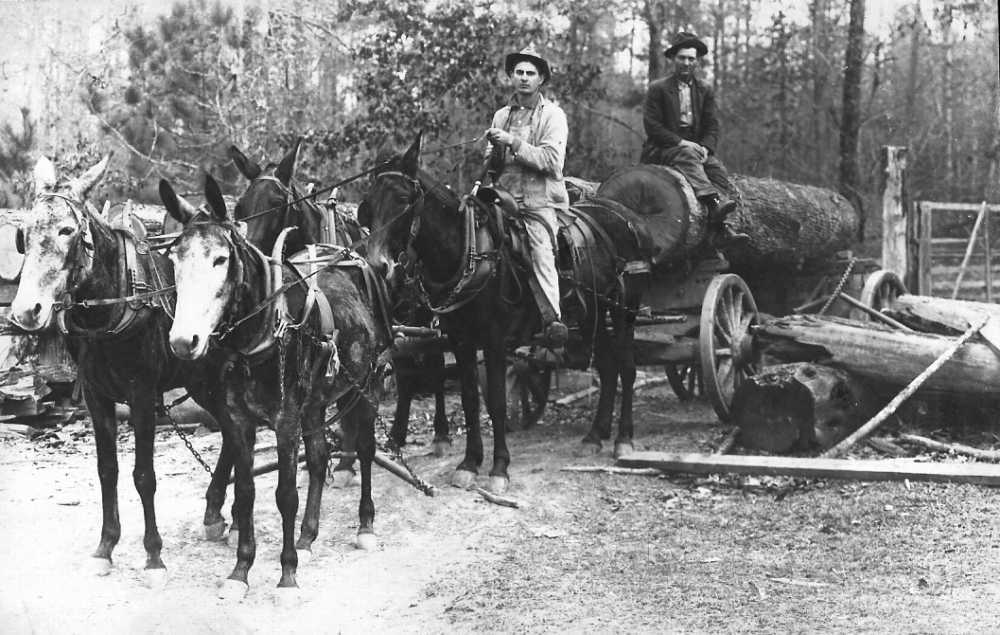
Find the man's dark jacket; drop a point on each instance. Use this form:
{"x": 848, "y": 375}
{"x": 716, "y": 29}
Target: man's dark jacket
{"x": 662, "y": 119}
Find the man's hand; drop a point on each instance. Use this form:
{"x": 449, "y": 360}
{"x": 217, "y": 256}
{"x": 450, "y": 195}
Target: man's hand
{"x": 699, "y": 149}
{"x": 500, "y": 137}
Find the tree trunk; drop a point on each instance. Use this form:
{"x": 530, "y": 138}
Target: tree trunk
{"x": 941, "y": 315}
{"x": 850, "y": 120}
{"x": 889, "y": 357}
{"x": 654, "y": 23}
{"x": 800, "y": 406}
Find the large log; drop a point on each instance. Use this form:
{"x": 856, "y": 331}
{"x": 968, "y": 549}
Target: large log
{"x": 941, "y": 315}
{"x": 789, "y": 225}
{"x": 877, "y": 353}
{"x": 799, "y": 406}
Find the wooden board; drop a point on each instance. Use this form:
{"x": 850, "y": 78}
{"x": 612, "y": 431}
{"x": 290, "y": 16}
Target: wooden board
{"x": 860, "y": 470}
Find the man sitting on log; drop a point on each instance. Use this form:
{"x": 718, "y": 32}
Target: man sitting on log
{"x": 682, "y": 131}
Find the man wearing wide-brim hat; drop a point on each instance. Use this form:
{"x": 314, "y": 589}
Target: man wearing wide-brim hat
{"x": 682, "y": 131}
{"x": 525, "y": 154}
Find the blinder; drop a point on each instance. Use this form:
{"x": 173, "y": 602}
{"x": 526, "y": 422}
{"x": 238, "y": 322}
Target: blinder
{"x": 19, "y": 241}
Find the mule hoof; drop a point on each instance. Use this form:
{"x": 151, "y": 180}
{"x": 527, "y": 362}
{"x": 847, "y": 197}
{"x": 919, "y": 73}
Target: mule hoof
{"x": 99, "y": 566}
{"x": 624, "y": 449}
{"x": 463, "y": 479}
{"x": 233, "y": 590}
{"x": 499, "y": 484}
{"x": 342, "y": 478}
{"x": 305, "y": 556}
{"x": 366, "y": 541}
{"x": 155, "y": 579}
{"x": 441, "y": 448}
{"x": 588, "y": 448}
{"x": 216, "y": 532}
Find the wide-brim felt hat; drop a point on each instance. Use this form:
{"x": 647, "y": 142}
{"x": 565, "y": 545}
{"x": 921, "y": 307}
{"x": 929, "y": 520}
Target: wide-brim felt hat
{"x": 528, "y": 54}
{"x": 686, "y": 40}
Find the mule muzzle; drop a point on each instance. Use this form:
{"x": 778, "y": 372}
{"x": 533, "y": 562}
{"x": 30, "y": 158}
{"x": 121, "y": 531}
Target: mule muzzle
{"x": 188, "y": 347}
{"x": 33, "y": 317}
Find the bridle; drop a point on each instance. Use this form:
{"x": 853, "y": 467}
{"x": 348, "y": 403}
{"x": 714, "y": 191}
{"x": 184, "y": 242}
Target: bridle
{"x": 81, "y": 249}
{"x": 407, "y": 257}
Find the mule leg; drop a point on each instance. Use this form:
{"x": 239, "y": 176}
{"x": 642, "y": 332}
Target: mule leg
{"x": 215, "y": 494}
{"x": 442, "y": 433}
{"x": 102, "y": 414}
{"x": 317, "y": 453}
{"x": 607, "y": 372}
{"x": 405, "y": 383}
{"x": 465, "y": 357}
{"x": 241, "y": 437}
{"x": 496, "y": 405}
{"x": 286, "y": 494}
{"x": 144, "y": 475}
{"x": 625, "y": 356}
{"x": 364, "y": 414}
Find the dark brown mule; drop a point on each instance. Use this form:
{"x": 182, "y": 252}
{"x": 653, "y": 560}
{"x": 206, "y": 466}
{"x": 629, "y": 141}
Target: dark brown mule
{"x": 288, "y": 354}
{"x": 273, "y": 201}
{"x": 76, "y": 266}
{"x": 470, "y": 278}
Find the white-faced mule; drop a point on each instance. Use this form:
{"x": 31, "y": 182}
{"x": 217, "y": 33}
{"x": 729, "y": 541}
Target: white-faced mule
{"x": 297, "y": 336}
{"x": 109, "y": 294}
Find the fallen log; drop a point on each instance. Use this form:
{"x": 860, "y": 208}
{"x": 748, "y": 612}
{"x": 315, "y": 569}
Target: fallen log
{"x": 856, "y": 469}
{"x": 956, "y": 448}
{"x": 799, "y": 406}
{"x": 948, "y": 317}
{"x": 496, "y": 499}
{"x": 880, "y": 354}
{"x": 891, "y": 407}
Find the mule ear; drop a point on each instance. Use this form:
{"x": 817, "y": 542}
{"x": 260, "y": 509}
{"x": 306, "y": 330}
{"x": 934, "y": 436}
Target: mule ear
{"x": 181, "y": 210}
{"x": 213, "y": 196}
{"x": 411, "y": 158}
{"x": 45, "y": 175}
{"x": 246, "y": 166}
{"x": 82, "y": 184}
{"x": 286, "y": 169}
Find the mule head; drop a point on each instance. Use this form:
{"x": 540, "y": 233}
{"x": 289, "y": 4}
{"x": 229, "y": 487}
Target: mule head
{"x": 206, "y": 270}
{"x": 266, "y": 203}
{"x": 57, "y": 240}
{"x": 388, "y": 208}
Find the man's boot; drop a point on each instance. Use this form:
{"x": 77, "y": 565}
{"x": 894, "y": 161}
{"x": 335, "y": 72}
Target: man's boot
{"x": 721, "y": 232}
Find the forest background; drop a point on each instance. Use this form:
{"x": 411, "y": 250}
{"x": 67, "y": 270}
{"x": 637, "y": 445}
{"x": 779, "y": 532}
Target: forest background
{"x": 808, "y": 91}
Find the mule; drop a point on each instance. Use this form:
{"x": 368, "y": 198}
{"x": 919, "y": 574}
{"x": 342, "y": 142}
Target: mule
{"x": 289, "y": 354}
{"x": 461, "y": 252}
{"x": 273, "y": 201}
{"x": 77, "y": 271}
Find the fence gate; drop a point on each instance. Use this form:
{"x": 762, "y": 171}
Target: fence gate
{"x": 959, "y": 246}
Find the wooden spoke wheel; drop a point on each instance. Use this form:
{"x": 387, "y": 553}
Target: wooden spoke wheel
{"x": 685, "y": 380}
{"x": 725, "y": 340}
{"x": 881, "y": 289}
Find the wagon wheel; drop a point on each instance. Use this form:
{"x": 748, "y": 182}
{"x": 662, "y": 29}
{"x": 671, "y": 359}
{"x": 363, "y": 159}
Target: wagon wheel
{"x": 881, "y": 288}
{"x": 725, "y": 343}
{"x": 685, "y": 379}
{"x": 527, "y": 393}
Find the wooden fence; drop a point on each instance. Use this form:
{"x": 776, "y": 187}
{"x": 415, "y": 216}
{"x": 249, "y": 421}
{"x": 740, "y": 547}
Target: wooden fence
{"x": 958, "y": 250}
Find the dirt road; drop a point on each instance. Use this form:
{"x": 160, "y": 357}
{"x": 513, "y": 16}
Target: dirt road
{"x": 585, "y": 553}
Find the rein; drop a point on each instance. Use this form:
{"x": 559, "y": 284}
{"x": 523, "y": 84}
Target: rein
{"x": 353, "y": 178}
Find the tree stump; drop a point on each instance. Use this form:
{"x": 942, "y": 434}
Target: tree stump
{"x": 799, "y": 406}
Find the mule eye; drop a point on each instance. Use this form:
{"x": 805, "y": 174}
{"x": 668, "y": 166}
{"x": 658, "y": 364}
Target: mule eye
{"x": 66, "y": 231}
{"x": 219, "y": 261}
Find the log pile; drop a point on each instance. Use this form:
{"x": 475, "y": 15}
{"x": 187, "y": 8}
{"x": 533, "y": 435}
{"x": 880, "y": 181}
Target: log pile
{"x": 834, "y": 374}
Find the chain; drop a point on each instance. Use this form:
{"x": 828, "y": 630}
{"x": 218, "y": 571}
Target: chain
{"x": 184, "y": 437}
{"x": 840, "y": 286}
{"x": 390, "y": 448}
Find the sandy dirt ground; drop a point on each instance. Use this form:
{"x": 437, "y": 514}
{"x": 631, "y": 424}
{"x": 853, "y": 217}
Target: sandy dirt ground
{"x": 584, "y": 553}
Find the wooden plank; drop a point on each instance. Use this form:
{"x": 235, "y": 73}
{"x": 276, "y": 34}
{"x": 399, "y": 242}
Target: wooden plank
{"x": 957, "y": 207}
{"x": 988, "y": 265}
{"x": 924, "y": 251}
{"x": 855, "y": 469}
{"x": 968, "y": 250}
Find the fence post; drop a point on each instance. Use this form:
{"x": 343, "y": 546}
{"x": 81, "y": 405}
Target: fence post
{"x": 899, "y": 233}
